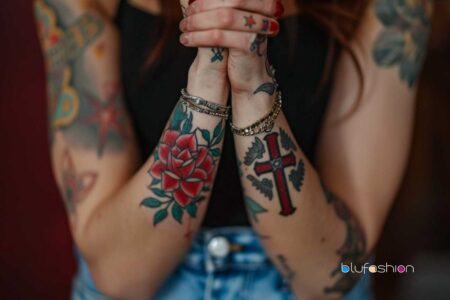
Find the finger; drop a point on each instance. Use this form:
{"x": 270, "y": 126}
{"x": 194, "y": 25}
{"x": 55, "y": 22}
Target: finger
{"x": 273, "y": 8}
{"x": 230, "y": 19}
{"x": 216, "y": 38}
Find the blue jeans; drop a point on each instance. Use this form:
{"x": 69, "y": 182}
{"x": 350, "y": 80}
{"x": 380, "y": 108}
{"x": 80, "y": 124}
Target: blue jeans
{"x": 223, "y": 263}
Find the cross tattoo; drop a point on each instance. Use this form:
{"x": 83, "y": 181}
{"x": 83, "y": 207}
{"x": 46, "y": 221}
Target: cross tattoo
{"x": 276, "y": 165}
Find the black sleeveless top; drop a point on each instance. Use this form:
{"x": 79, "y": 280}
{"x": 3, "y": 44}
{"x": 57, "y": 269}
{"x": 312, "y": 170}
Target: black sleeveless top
{"x": 299, "y": 55}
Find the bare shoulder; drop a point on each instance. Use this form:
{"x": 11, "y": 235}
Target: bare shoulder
{"x": 109, "y": 7}
{"x": 150, "y": 6}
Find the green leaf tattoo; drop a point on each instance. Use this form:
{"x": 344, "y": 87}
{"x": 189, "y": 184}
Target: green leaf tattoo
{"x": 183, "y": 166}
{"x": 403, "y": 41}
{"x": 253, "y": 208}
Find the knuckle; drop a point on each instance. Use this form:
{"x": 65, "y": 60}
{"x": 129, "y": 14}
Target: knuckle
{"x": 216, "y": 36}
{"x": 238, "y": 3}
{"x": 225, "y": 17}
{"x": 272, "y": 7}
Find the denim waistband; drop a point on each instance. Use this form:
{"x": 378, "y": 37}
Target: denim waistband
{"x": 244, "y": 252}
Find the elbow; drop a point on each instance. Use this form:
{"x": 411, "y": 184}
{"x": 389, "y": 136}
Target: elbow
{"x": 114, "y": 271}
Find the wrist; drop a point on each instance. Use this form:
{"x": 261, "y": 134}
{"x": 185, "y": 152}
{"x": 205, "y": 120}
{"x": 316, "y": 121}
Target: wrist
{"x": 208, "y": 80}
{"x": 249, "y": 109}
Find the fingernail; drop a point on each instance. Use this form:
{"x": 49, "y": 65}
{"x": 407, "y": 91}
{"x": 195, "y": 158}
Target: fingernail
{"x": 279, "y": 10}
{"x": 191, "y": 1}
{"x": 274, "y": 27}
{"x": 191, "y": 9}
{"x": 184, "y": 39}
{"x": 183, "y": 25}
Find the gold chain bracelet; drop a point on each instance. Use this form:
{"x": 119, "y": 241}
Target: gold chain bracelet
{"x": 264, "y": 124}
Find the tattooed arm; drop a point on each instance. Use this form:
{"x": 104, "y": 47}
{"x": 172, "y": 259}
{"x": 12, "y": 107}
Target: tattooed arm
{"x": 131, "y": 223}
{"x": 306, "y": 229}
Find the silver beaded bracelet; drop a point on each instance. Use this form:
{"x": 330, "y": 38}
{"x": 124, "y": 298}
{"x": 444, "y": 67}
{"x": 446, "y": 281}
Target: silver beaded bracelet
{"x": 264, "y": 124}
{"x": 204, "y": 106}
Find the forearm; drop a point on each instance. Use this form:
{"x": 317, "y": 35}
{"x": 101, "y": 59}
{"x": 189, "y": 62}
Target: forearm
{"x": 303, "y": 231}
{"x": 132, "y": 226}
{"x": 147, "y": 227}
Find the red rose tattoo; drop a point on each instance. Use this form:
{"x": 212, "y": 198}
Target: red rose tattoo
{"x": 183, "y": 167}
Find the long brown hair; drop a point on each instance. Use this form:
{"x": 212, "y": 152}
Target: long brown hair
{"x": 339, "y": 18}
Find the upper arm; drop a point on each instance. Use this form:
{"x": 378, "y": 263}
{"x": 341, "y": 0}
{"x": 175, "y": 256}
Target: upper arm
{"x": 92, "y": 146}
{"x": 362, "y": 154}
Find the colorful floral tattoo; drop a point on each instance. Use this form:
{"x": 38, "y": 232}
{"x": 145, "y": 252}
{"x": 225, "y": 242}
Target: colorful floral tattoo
{"x": 183, "y": 167}
{"x": 403, "y": 41}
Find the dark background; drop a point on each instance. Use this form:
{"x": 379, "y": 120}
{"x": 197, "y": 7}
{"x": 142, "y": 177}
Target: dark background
{"x": 35, "y": 245}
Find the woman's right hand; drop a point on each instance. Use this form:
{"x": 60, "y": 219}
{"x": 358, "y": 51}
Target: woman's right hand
{"x": 208, "y": 73}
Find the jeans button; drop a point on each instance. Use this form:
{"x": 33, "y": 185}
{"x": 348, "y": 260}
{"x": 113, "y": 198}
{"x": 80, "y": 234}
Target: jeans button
{"x": 219, "y": 247}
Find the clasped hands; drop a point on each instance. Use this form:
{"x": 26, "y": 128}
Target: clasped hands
{"x": 232, "y": 39}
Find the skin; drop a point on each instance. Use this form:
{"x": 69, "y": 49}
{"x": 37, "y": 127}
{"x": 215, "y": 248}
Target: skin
{"x": 338, "y": 204}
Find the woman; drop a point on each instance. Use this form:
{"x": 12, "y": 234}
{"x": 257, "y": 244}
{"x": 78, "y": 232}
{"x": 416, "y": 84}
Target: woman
{"x": 317, "y": 166}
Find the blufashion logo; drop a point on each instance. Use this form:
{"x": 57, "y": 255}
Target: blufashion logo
{"x": 367, "y": 267}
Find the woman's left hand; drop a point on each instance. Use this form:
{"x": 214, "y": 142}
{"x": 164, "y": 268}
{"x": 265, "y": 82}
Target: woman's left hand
{"x": 242, "y": 26}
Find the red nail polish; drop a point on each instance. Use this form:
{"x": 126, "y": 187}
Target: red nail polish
{"x": 279, "y": 10}
{"x": 191, "y": 1}
{"x": 274, "y": 27}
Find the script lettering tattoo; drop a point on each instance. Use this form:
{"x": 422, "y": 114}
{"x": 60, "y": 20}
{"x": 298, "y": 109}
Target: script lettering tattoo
{"x": 286, "y": 270}
{"x": 183, "y": 167}
{"x": 352, "y": 251}
{"x": 276, "y": 165}
{"x": 404, "y": 38}
{"x": 75, "y": 186}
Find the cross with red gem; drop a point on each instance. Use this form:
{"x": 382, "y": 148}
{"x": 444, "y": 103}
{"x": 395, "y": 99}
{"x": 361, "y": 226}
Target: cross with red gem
{"x": 276, "y": 165}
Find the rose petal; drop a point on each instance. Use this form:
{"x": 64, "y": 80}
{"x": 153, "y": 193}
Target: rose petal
{"x": 181, "y": 197}
{"x": 191, "y": 187}
{"x": 182, "y": 168}
{"x": 175, "y": 151}
{"x": 201, "y": 154}
{"x": 207, "y": 165}
{"x": 157, "y": 168}
{"x": 170, "y": 137}
{"x": 184, "y": 155}
{"x": 163, "y": 152}
{"x": 187, "y": 141}
{"x": 199, "y": 174}
{"x": 169, "y": 181}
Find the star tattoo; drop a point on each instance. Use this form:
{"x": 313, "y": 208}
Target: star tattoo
{"x": 249, "y": 21}
{"x": 108, "y": 117}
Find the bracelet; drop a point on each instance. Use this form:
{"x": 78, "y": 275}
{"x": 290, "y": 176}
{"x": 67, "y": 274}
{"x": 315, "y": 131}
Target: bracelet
{"x": 201, "y": 105}
{"x": 264, "y": 124}
{"x": 200, "y": 102}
